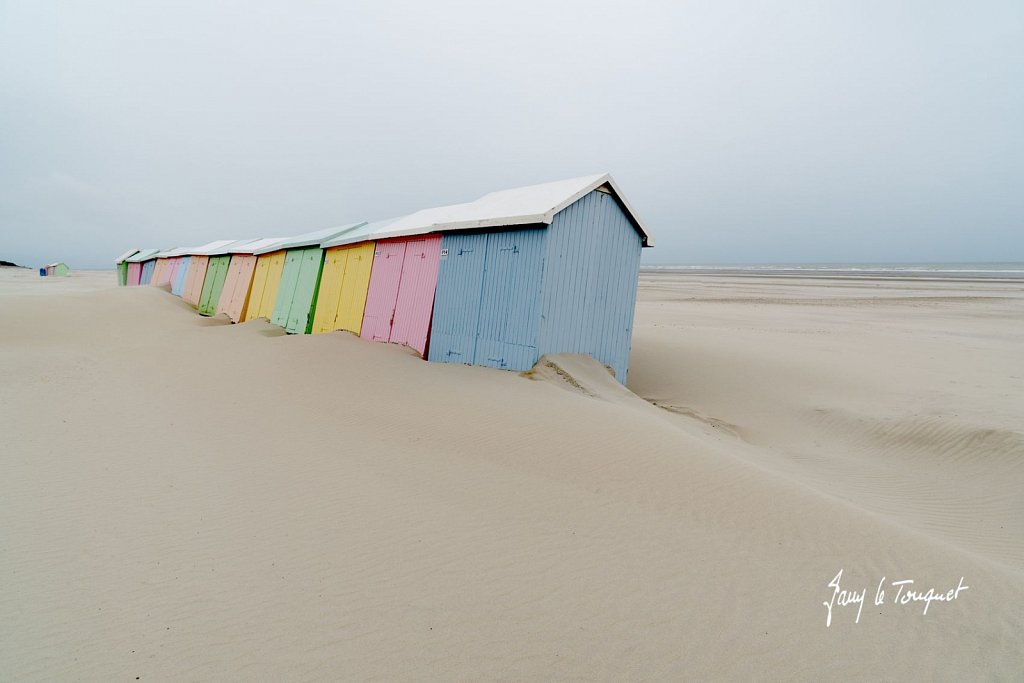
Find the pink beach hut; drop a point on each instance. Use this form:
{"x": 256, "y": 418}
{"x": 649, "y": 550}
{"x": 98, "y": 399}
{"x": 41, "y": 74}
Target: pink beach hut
{"x": 401, "y": 294}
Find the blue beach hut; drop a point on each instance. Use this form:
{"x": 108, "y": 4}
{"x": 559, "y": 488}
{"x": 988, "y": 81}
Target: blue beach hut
{"x": 178, "y": 283}
{"x": 549, "y": 268}
{"x": 147, "y": 271}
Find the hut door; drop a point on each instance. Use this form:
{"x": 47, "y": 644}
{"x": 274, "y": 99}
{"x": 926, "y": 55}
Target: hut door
{"x": 304, "y": 297}
{"x": 331, "y": 277}
{"x": 383, "y": 293}
{"x": 510, "y": 301}
{"x": 259, "y": 287}
{"x": 416, "y": 293}
{"x": 178, "y": 286}
{"x": 134, "y": 273}
{"x": 240, "y": 287}
{"x": 457, "y": 304}
{"x": 286, "y": 290}
{"x": 197, "y": 276}
{"x": 227, "y": 290}
{"x": 243, "y": 285}
{"x": 213, "y": 284}
{"x": 230, "y": 297}
{"x": 352, "y": 298}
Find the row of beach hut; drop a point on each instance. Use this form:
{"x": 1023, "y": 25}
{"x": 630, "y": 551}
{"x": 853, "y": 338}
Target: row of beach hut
{"x": 499, "y": 281}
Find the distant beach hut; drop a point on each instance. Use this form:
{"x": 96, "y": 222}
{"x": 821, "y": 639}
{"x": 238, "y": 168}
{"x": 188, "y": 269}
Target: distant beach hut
{"x": 197, "y": 269}
{"x": 216, "y": 276}
{"x": 122, "y": 266}
{"x": 59, "y": 269}
{"x": 234, "y": 298}
{"x": 300, "y": 277}
{"x": 194, "y": 280}
{"x": 148, "y": 268}
{"x": 173, "y": 265}
{"x": 180, "y": 273}
{"x": 134, "y": 273}
{"x": 158, "y": 268}
{"x": 216, "y": 272}
{"x": 136, "y": 265}
{"x": 163, "y": 271}
{"x": 345, "y": 281}
{"x": 549, "y": 268}
{"x": 266, "y": 278}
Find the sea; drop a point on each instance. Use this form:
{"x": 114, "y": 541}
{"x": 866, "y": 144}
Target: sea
{"x": 1009, "y": 270}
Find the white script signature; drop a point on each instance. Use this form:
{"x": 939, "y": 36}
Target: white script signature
{"x": 905, "y": 594}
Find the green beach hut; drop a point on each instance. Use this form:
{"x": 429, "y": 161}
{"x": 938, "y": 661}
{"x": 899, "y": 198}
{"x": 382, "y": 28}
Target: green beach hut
{"x": 122, "y": 266}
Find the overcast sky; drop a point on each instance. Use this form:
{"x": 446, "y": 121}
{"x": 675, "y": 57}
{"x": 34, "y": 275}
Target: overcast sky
{"x": 741, "y": 131}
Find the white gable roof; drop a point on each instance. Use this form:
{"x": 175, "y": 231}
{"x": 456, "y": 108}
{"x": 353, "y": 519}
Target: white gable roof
{"x": 124, "y": 257}
{"x": 251, "y": 246}
{"x": 168, "y": 253}
{"x": 177, "y": 251}
{"x": 142, "y": 255}
{"x": 230, "y": 247}
{"x": 363, "y": 233}
{"x": 207, "y": 249}
{"x": 308, "y": 239}
{"x": 520, "y": 206}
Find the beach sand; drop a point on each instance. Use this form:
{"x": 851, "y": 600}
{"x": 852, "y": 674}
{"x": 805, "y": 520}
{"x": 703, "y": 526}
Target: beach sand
{"x": 185, "y": 499}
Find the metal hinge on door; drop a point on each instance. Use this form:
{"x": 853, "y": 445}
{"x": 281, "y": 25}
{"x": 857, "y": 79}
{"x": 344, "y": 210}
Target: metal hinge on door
{"x": 499, "y": 361}
{"x": 514, "y": 250}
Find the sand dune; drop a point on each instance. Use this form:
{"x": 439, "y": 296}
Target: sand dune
{"x": 186, "y": 499}
{"x": 909, "y": 400}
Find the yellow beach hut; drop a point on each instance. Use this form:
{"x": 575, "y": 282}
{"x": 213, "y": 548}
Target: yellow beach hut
{"x": 266, "y": 278}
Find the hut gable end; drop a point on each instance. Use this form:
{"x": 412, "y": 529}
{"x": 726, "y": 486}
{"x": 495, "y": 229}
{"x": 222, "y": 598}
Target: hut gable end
{"x": 589, "y": 291}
